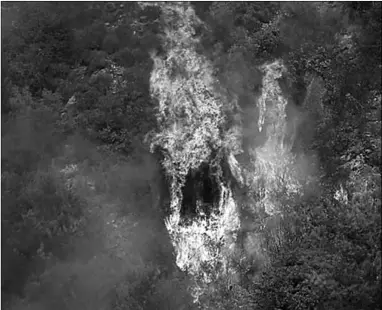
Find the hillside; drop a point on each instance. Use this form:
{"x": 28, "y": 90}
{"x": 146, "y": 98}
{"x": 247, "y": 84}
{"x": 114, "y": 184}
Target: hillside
{"x": 202, "y": 155}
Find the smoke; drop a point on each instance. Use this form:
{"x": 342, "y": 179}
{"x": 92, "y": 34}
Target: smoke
{"x": 122, "y": 256}
{"x": 244, "y": 128}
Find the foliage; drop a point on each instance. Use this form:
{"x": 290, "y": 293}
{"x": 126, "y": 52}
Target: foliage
{"x": 98, "y": 56}
{"x": 38, "y": 211}
{"x": 332, "y": 259}
{"x": 46, "y": 45}
{"x": 136, "y": 269}
{"x": 38, "y": 46}
{"x": 338, "y": 58}
{"x": 324, "y": 47}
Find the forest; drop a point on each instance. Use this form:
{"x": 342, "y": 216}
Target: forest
{"x": 127, "y": 126}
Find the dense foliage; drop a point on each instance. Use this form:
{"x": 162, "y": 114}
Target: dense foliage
{"x": 90, "y": 52}
{"x": 331, "y": 258}
{"x": 84, "y": 68}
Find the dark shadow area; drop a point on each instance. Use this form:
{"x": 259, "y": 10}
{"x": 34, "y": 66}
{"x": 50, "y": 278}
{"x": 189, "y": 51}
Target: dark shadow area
{"x": 200, "y": 187}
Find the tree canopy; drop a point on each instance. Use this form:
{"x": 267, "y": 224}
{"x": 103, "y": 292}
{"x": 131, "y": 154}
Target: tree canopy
{"x": 86, "y": 69}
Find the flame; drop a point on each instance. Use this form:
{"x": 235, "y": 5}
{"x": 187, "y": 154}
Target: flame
{"x": 191, "y": 118}
{"x": 272, "y": 170}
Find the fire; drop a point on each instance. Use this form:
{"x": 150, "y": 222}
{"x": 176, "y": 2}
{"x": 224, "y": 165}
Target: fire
{"x": 192, "y": 114}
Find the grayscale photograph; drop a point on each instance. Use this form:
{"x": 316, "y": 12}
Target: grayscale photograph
{"x": 191, "y": 155}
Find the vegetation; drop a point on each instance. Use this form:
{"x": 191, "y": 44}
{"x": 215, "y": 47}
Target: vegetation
{"x": 76, "y": 93}
{"x": 330, "y": 258}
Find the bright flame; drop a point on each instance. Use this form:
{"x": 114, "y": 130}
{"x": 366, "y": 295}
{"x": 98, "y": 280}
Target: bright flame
{"x": 191, "y": 118}
{"x": 272, "y": 171}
